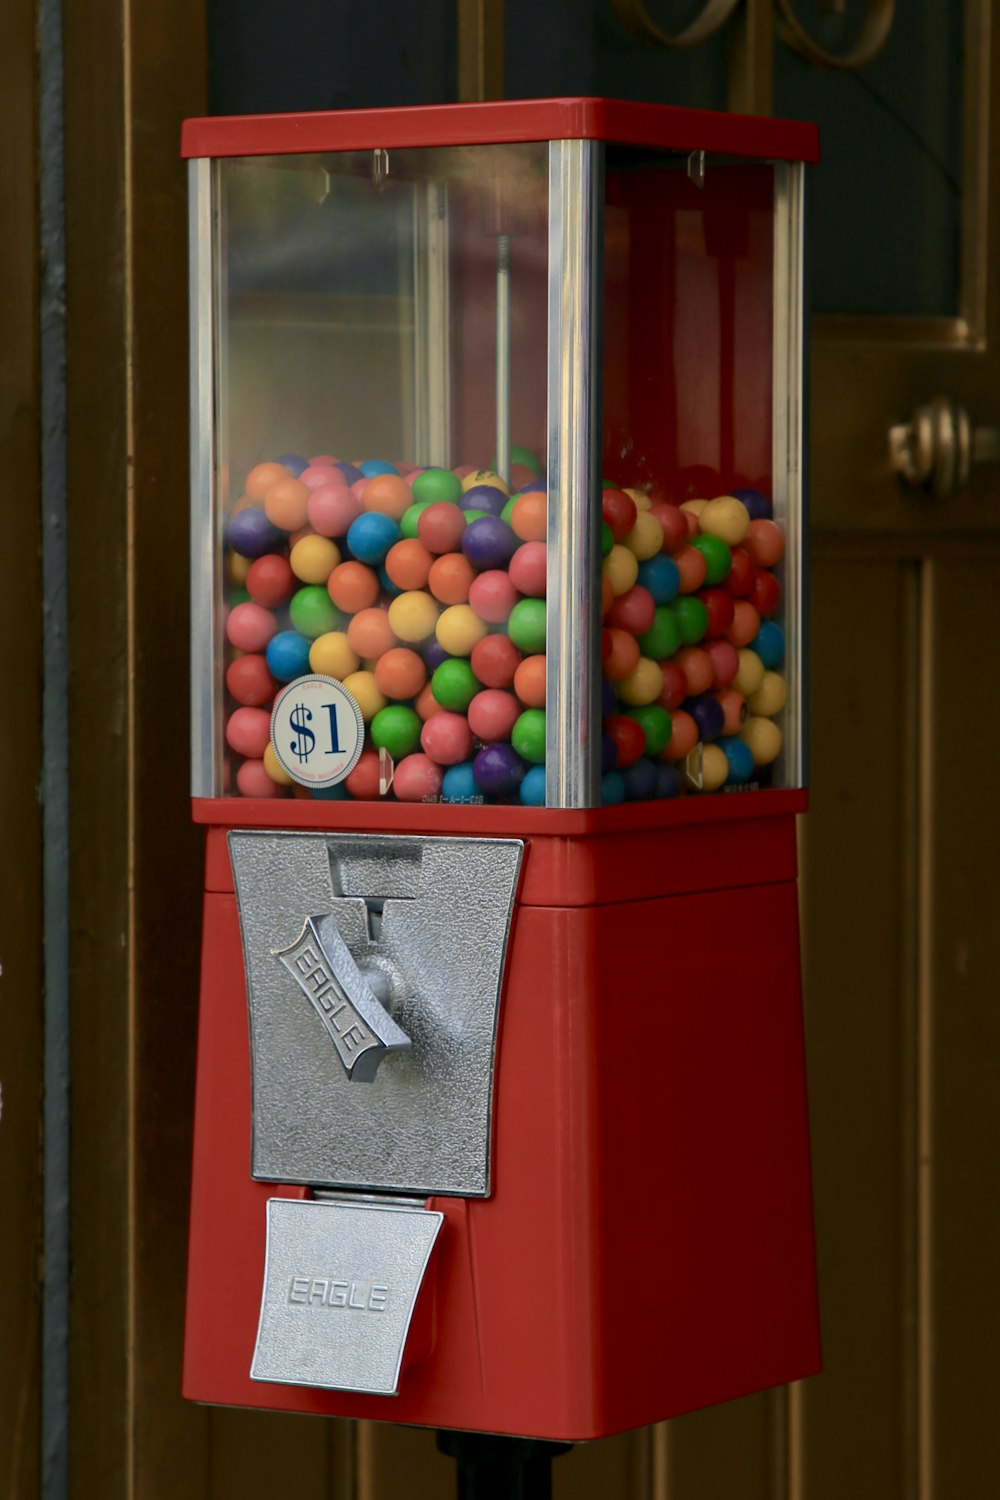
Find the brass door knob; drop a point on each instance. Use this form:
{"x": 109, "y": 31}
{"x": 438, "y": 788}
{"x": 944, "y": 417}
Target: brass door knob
{"x": 936, "y": 448}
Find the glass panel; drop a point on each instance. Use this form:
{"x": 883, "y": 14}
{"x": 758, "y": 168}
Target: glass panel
{"x": 885, "y": 202}
{"x": 694, "y": 687}
{"x": 381, "y": 341}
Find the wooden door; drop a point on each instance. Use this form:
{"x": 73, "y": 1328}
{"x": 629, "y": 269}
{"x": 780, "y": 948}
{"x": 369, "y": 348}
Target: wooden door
{"x": 898, "y": 898}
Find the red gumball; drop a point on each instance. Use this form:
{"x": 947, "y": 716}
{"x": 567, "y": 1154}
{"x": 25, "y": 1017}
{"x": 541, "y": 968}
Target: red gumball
{"x": 270, "y": 581}
{"x": 363, "y": 781}
{"x": 634, "y": 610}
{"x": 527, "y": 569}
{"x": 720, "y": 609}
{"x": 440, "y": 527}
{"x": 725, "y": 663}
{"x": 765, "y": 596}
{"x": 619, "y": 511}
{"x": 629, "y": 738}
{"x": 249, "y": 680}
{"x": 494, "y": 661}
{"x": 675, "y": 532}
{"x": 674, "y": 689}
{"x": 739, "y": 581}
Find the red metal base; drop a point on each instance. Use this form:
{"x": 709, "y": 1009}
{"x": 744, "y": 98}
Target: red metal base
{"x": 648, "y": 1246}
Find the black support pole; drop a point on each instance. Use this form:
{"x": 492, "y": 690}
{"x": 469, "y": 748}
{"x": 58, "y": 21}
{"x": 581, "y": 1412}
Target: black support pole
{"x": 501, "y": 1468}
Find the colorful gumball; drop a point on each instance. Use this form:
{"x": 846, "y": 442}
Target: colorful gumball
{"x": 645, "y": 539}
{"x": 253, "y": 780}
{"x": 691, "y": 569}
{"x": 734, "y": 710}
{"x": 696, "y": 664}
{"x": 454, "y": 684}
{"x": 425, "y": 702}
{"x": 532, "y": 791}
{"x": 659, "y": 576}
{"x": 765, "y": 542}
{"x": 312, "y": 611}
{"x": 768, "y": 700}
{"x": 498, "y": 771}
{"x": 287, "y": 655}
{"x": 248, "y": 730}
{"x": 250, "y": 533}
{"x": 628, "y": 737}
{"x": 417, "y": 779}
{"x": 674, "y": 689}
{"x": 332, "y": 509}
{"x": 765, "y": 595}
{"x": 619, "y": 511}
{"x": 285, "y": 503}
{"x": 634, "y": 610}
{"x": 726, "y": 518}
{"x": 387, "y": 494}
{"x": 527, "y": 569}
{"x": 447, "y": 737}
{"x": 270, "y": 581}
{"x": 396, "y": 730}
{"x": 683, "y": 736}
{"x": 408, "y": 563}
{"x": 333, "y": 656}
{"x": 643, "y": 684}
{"x": 400, "y": 673}
{"x": 458, "y": 784}
{"x": 663, "y": 637}
{"x": 655, "y": 723}
{"x": 261, "y": 478}
{"x": 493, "y": 714}
{"x": 489, "y": 543}
{"x": 459, "y": 628}
{"x": 621, "y": 568}
{"x": 370, "y": 633}
{"x": 371, "y": 536}
{"x": 720, "y": 611}
{"x": 528, "y": 516}
{"x": 740, "y": 579}
{"x": 749, "y": 674}
{"x": 438, "y": 485}
{"x": 492, "y": 595}
{"x": 249, "y": 680}
{"x": 450, "y": 578}
{"x": 412, "y": 616}
{"x": 673, "y": 524}
{"x": 529, "y": 681}
{"x": 364, "y": 782}
{"x": 746, "y": 623}
{"x": 621, "y": 652}
{"x": 764, "y": 739}
{"x": 250, "y": 626}
{"x": 725, "y": 662}
{"x": 526, "y": 626}
{"x": 441, "y": 527}
{"x": 352, "y": 586}
{"x": 365, "y": 691}
{"x": 495, "y": 661}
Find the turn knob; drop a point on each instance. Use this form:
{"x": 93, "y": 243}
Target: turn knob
{"x": 936, "y": 448}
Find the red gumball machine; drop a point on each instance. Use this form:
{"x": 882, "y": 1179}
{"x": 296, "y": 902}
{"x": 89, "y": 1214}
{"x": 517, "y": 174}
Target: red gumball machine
{"x": 498, "y": 687}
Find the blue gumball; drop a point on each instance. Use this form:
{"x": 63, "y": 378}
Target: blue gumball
{"x": 660, "y": 576}
{"x": 769, "y": 644}
{"x": 287, "y": 655}
{"x": 640, "y": 780}
{"x": 612, "y": 789}
{"x": 533, "y": 787}
{"x": 459, "y": 784}
{"x": 373, "y": 466}
{"x": 739, "y": 758}
{"x": 371, "y": 536}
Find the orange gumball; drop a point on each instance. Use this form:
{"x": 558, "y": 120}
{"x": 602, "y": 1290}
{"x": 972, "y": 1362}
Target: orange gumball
{"x": 450, "y": 578}
{"x": 400, "y": 673}
{"x": 765, "y": 542}
{"x": 528, "y": 516}
{"x": 407, "y": 563}
{"x": 734, "y": 707}
{"x": 692, "y": 567}
{"x": 286, "y": 502}
{"x": 746, "y": 623}
{"x": 261, "y": 478}
{"x": 697, "y": 668}
{"x": 369, "y": 634}
{"x": 622, "y": 655}
{"x": 388, "y": 494}
{"x": 683, "y": 736}
{"x": 529, "y": 682}
{"x": 353, "y": 586}
{"x": 426, "y": 703}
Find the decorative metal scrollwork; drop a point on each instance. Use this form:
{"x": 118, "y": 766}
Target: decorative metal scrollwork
{"x": 875, "y": 28}
{"x": 880, "y": 15}
{"x": 635, "y": 18}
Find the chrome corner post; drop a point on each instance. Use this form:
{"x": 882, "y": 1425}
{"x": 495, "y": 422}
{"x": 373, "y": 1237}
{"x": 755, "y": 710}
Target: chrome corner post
{"x": 789, "y": 443}
{"x": 204, "y": 613}
{"x": 572, "y": 700}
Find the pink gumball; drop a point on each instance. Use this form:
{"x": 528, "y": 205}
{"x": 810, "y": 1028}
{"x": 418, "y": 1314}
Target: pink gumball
{"x": 316, "y": 475}
{"x": 248, "y": 731}
{"x": 417, "y": 779}
{"x": 527, "y": 569}
{"x": 252, "y": 780}
{"x": 358, "y": 489}
{"x": 332, "y": 509}
{"x": 250, "y": 626}
{"x": 447, "y": 738}
{"x": 493, "y": 714}
{"x": 324, "y": 460}
{"x": 492, "y": 595}
{"x": 725, "y": 661}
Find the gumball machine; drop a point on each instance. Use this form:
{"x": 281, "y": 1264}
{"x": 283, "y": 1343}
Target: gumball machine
{"x": 498, "y": 686}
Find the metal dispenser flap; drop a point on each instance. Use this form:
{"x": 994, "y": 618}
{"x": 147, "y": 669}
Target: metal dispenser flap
{"x": 340, "y": 1283}
{"x": 367, "y": 952}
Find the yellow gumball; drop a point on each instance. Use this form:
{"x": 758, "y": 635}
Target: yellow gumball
{"x": 364, "y": 690}
{"x": 694, "y": 506}
{"x": 714, "y": 768}
{"x": 313, "y": 558}
{"x": 484, "y": 476}
{"x": 646, "y": 537}
{"x": 642, "y": 685}
{"x": 769, "y": 699}
{"x": 413, "y": 615}
{"x": 764, "y": 738}
{"x": 239, "y": 567}
{"x": 727, "y": 518}
{"x": 331, "y": 655}
{"x": 274, "y": 768}
{"x": 639, "y": 499}
{"x": 621, "y": 569}
{"x": 459, "y": 628}
{"x": 749, "y": 673}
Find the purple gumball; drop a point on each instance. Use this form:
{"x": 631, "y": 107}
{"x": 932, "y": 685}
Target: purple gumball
{"x": 484, "y": 497}
{"x": 757, "y": 504}
{"x": 251, "y": 534}
{"x": 434, "y": 654}
{"x": 489, "y": 543}
{"x": 350, "y": 473}
{"x": 707, "y": 714}
{"x": 498, "y": 771}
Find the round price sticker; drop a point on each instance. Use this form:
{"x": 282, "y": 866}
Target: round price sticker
{"x": 317, "y": 731}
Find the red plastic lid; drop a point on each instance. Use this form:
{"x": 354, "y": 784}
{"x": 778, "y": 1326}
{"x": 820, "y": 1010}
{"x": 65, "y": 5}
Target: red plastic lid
{"x": 652, "y": 125}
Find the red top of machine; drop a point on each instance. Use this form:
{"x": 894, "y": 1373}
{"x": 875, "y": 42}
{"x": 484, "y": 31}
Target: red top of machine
{"x": 657, "y": 126}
